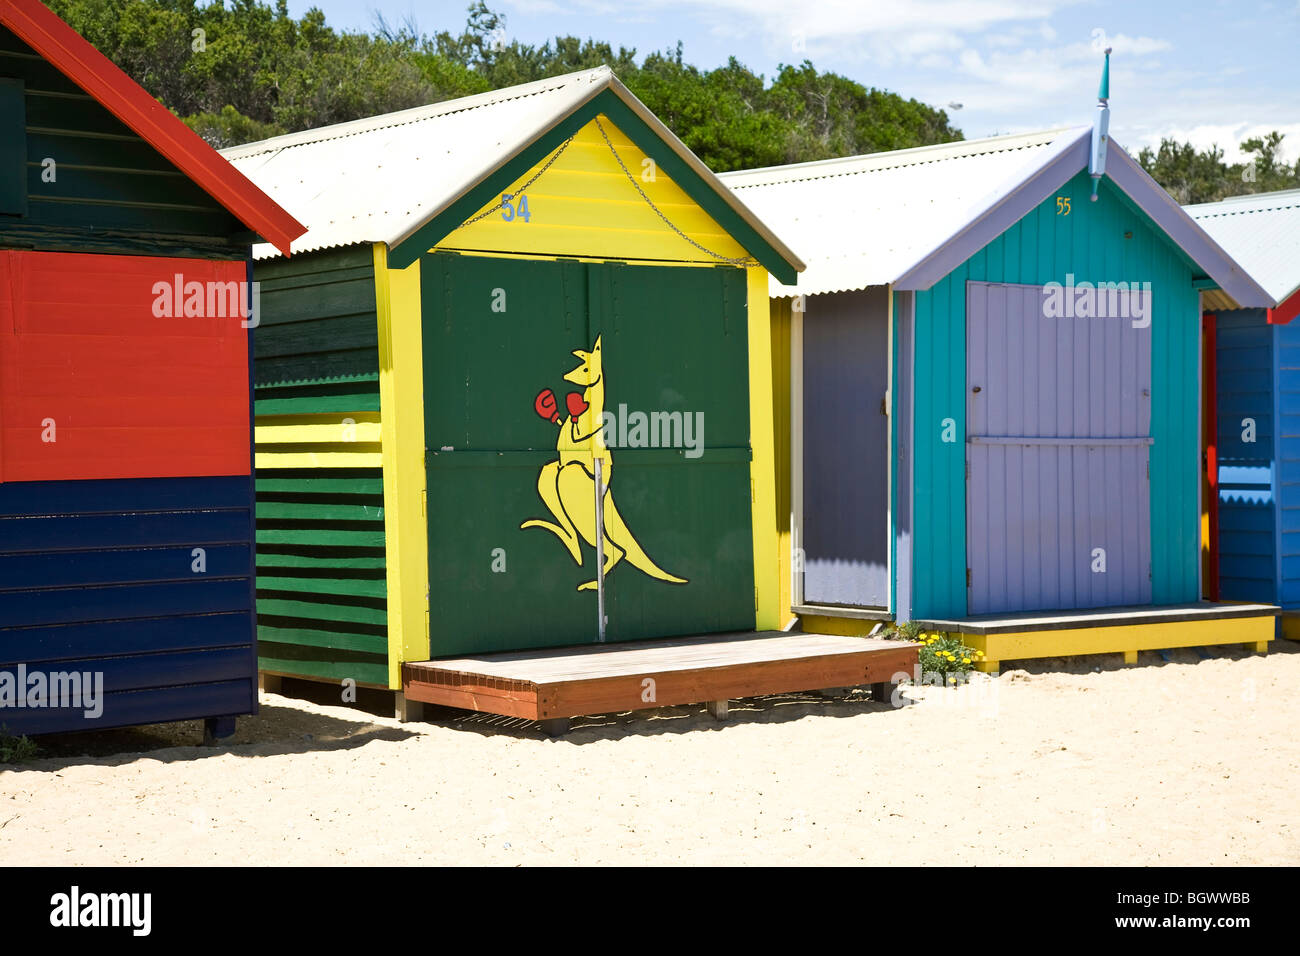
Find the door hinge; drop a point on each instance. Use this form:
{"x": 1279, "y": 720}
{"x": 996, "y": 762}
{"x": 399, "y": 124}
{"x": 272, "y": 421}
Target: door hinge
{"x": 968, "y": 468}
{"x": 968, "y": 577}
{"x": 752, "y": 498}
{"x": 755, "y": 600}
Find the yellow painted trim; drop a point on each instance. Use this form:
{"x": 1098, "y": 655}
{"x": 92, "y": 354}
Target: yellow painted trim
{"x": 401, "y": 403}
{"x": 583, "y": 205}
{"x": 1125, "y": 639}
{"x": 843, "y": 626}
{"x": 767, "y": 564}
{"x": 289, "y": 456}
{"x": 1291, "y": 626}
{"x": 780, "y": 310}
{"x": 339, "y": 430}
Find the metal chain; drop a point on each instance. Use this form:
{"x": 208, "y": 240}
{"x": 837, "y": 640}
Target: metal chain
{"x": 736, "y": 261}
{"x": 501, "y": 203}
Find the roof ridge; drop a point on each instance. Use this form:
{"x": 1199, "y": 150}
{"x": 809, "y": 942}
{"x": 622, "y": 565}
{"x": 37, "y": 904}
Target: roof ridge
{"x": 416, "y": 114}
{"x": 1260, "y": 202}
{"x": 884, "y": 160}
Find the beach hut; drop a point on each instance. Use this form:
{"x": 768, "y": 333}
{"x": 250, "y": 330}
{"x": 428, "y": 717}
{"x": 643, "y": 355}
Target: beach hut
{"x": 126, "y": 496}
{"x": 1252, "y": 357}
{"x": 992, "y": 365}
{"x": 496, "y": 296}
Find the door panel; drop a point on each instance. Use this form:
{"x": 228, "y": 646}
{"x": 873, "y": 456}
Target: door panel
{"x": 1058, "y": 423}
{"x": 511, "y": 493}
{"x": 846, "y": 450}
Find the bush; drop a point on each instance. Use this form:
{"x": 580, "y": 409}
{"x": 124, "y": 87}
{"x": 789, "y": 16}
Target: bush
{"x": 943, "y": 659}
{"x": 16, "y": 749}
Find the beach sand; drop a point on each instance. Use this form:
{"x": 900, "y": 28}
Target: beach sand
{"x": 1191, "y": 761}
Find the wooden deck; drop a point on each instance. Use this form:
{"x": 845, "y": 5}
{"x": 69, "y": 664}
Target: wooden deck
{"x": 1099, "y": 617}
{"x": 554, "y": 684}
{"x": 1110, "y": 630}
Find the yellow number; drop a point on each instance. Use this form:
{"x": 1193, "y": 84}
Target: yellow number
{"x": 1062, "y": 205}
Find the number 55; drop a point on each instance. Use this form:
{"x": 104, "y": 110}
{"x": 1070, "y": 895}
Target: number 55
{"x": 1062, "y": 205}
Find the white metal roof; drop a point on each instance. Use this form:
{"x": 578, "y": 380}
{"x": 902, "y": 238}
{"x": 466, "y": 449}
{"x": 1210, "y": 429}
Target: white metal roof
{"x": 1262, "y": 232}
{"x": 907, "y": 218}
{"x": 865, "y": 220}
{"x": 380, "y": 179}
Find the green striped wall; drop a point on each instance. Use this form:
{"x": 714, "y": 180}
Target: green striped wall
{"x": 321, "y": 590}
{"x": 321, "y": 585}
{"x": 316, "y": 349}
{"x": 1044, "y": 247}
{"x": 111, "y": 190}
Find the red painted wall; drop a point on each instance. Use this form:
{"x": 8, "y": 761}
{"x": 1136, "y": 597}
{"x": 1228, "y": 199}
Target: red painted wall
{"x": 131, "y": 395}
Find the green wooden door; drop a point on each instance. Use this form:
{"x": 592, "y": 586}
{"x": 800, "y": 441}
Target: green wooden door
{"x": 511, "y": 502}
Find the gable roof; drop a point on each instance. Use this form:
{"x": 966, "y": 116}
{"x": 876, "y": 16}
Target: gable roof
{"x": 411, "y": 175}
{"x": 909, "y": 217}
{"x": 1262, "y": 232}
{"x": 80, "y": 62}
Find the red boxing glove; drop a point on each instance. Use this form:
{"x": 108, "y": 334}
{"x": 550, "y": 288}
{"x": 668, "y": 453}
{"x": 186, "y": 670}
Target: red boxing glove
{"x": 545, "y": 405}
{"x": 576, "y": 405}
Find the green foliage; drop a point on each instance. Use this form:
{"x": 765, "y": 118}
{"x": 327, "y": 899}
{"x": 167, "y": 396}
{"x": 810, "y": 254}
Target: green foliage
{"x": 948, "y": 657}
{"x": 255, "y": 71}
{"x": 1192, "y": 176}
{"x": 16, "y": 749}
{"x": 943, "y": 659}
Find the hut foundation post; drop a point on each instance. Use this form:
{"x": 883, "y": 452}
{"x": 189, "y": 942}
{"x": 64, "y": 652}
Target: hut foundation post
{"x": 405, "y": 709}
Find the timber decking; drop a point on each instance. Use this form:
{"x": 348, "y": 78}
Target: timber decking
{"x": 1098, "y": 617}
{"x": 567, "y": 682}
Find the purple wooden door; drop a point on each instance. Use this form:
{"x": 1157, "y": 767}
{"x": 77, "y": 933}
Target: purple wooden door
{"x": 1058, "y": 419}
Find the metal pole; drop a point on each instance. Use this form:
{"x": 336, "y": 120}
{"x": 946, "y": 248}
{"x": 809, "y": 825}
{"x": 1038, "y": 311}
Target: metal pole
{"x": 600, "y": 551}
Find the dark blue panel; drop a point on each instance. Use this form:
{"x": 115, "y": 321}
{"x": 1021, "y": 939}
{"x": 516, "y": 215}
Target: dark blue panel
{"x": 101, "y": 571}
{"x": 155, "y": 705}
{"x": 125, "y": 638}
{"x": 192, "y": 528}
{"x": 123, "y": 495}
{"x": 67, "y": 568}
{"x": 114, "y": 602}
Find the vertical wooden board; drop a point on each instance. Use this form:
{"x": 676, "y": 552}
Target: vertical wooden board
{"x": 673, "y": 343}
{"x": 1089, "y": 245}
{"x": 845, "y": 460}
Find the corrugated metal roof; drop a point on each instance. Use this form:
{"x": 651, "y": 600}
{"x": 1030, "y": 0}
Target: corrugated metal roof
{"x": 866, "y": 220}
{"x": 1260, "y": 231}
{"x": 380, "y": 179}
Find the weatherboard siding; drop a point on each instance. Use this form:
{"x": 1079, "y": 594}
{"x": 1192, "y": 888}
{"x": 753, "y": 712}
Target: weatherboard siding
{"x": 1041, "y": 247}
{"x": 1286, "y": 352}
{"x": 1244, "y": 347}
{"x": 321, "y": 591}
{"x": 585, "y": 205}
{"x": 99, "y": 576}
{"x": 111, "y": 191}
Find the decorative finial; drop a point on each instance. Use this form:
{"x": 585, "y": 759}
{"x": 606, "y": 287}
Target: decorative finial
{"x": 1100, "y": 128}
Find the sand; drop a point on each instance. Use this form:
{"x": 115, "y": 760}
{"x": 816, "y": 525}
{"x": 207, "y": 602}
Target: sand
{"x": 1191, "y": 761}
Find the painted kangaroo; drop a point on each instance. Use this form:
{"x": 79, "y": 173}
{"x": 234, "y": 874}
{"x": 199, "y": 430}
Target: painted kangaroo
{"x": 568, "y": 486}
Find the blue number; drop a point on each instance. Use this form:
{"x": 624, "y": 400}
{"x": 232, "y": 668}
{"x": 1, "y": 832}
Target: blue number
{"x": 507, "y": 210}
{"x": 523, "y": 208}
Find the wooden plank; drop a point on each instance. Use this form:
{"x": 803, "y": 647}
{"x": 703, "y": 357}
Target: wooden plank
{"x": 1102, "y": 617}
{"x": 570, "y": 682}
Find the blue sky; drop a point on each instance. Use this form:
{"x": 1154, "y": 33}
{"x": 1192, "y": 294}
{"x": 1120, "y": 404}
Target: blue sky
{"x": 1209, "y": 71}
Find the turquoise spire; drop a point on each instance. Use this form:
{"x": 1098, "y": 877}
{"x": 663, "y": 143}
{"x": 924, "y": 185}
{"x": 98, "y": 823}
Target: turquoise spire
{"x": 1100, "y": 129}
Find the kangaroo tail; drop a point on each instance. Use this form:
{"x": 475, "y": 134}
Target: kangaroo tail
{"x": 619, "y": 534}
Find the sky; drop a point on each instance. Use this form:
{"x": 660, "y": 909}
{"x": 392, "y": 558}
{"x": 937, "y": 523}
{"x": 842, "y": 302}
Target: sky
{"x": 1205, "y": 71}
